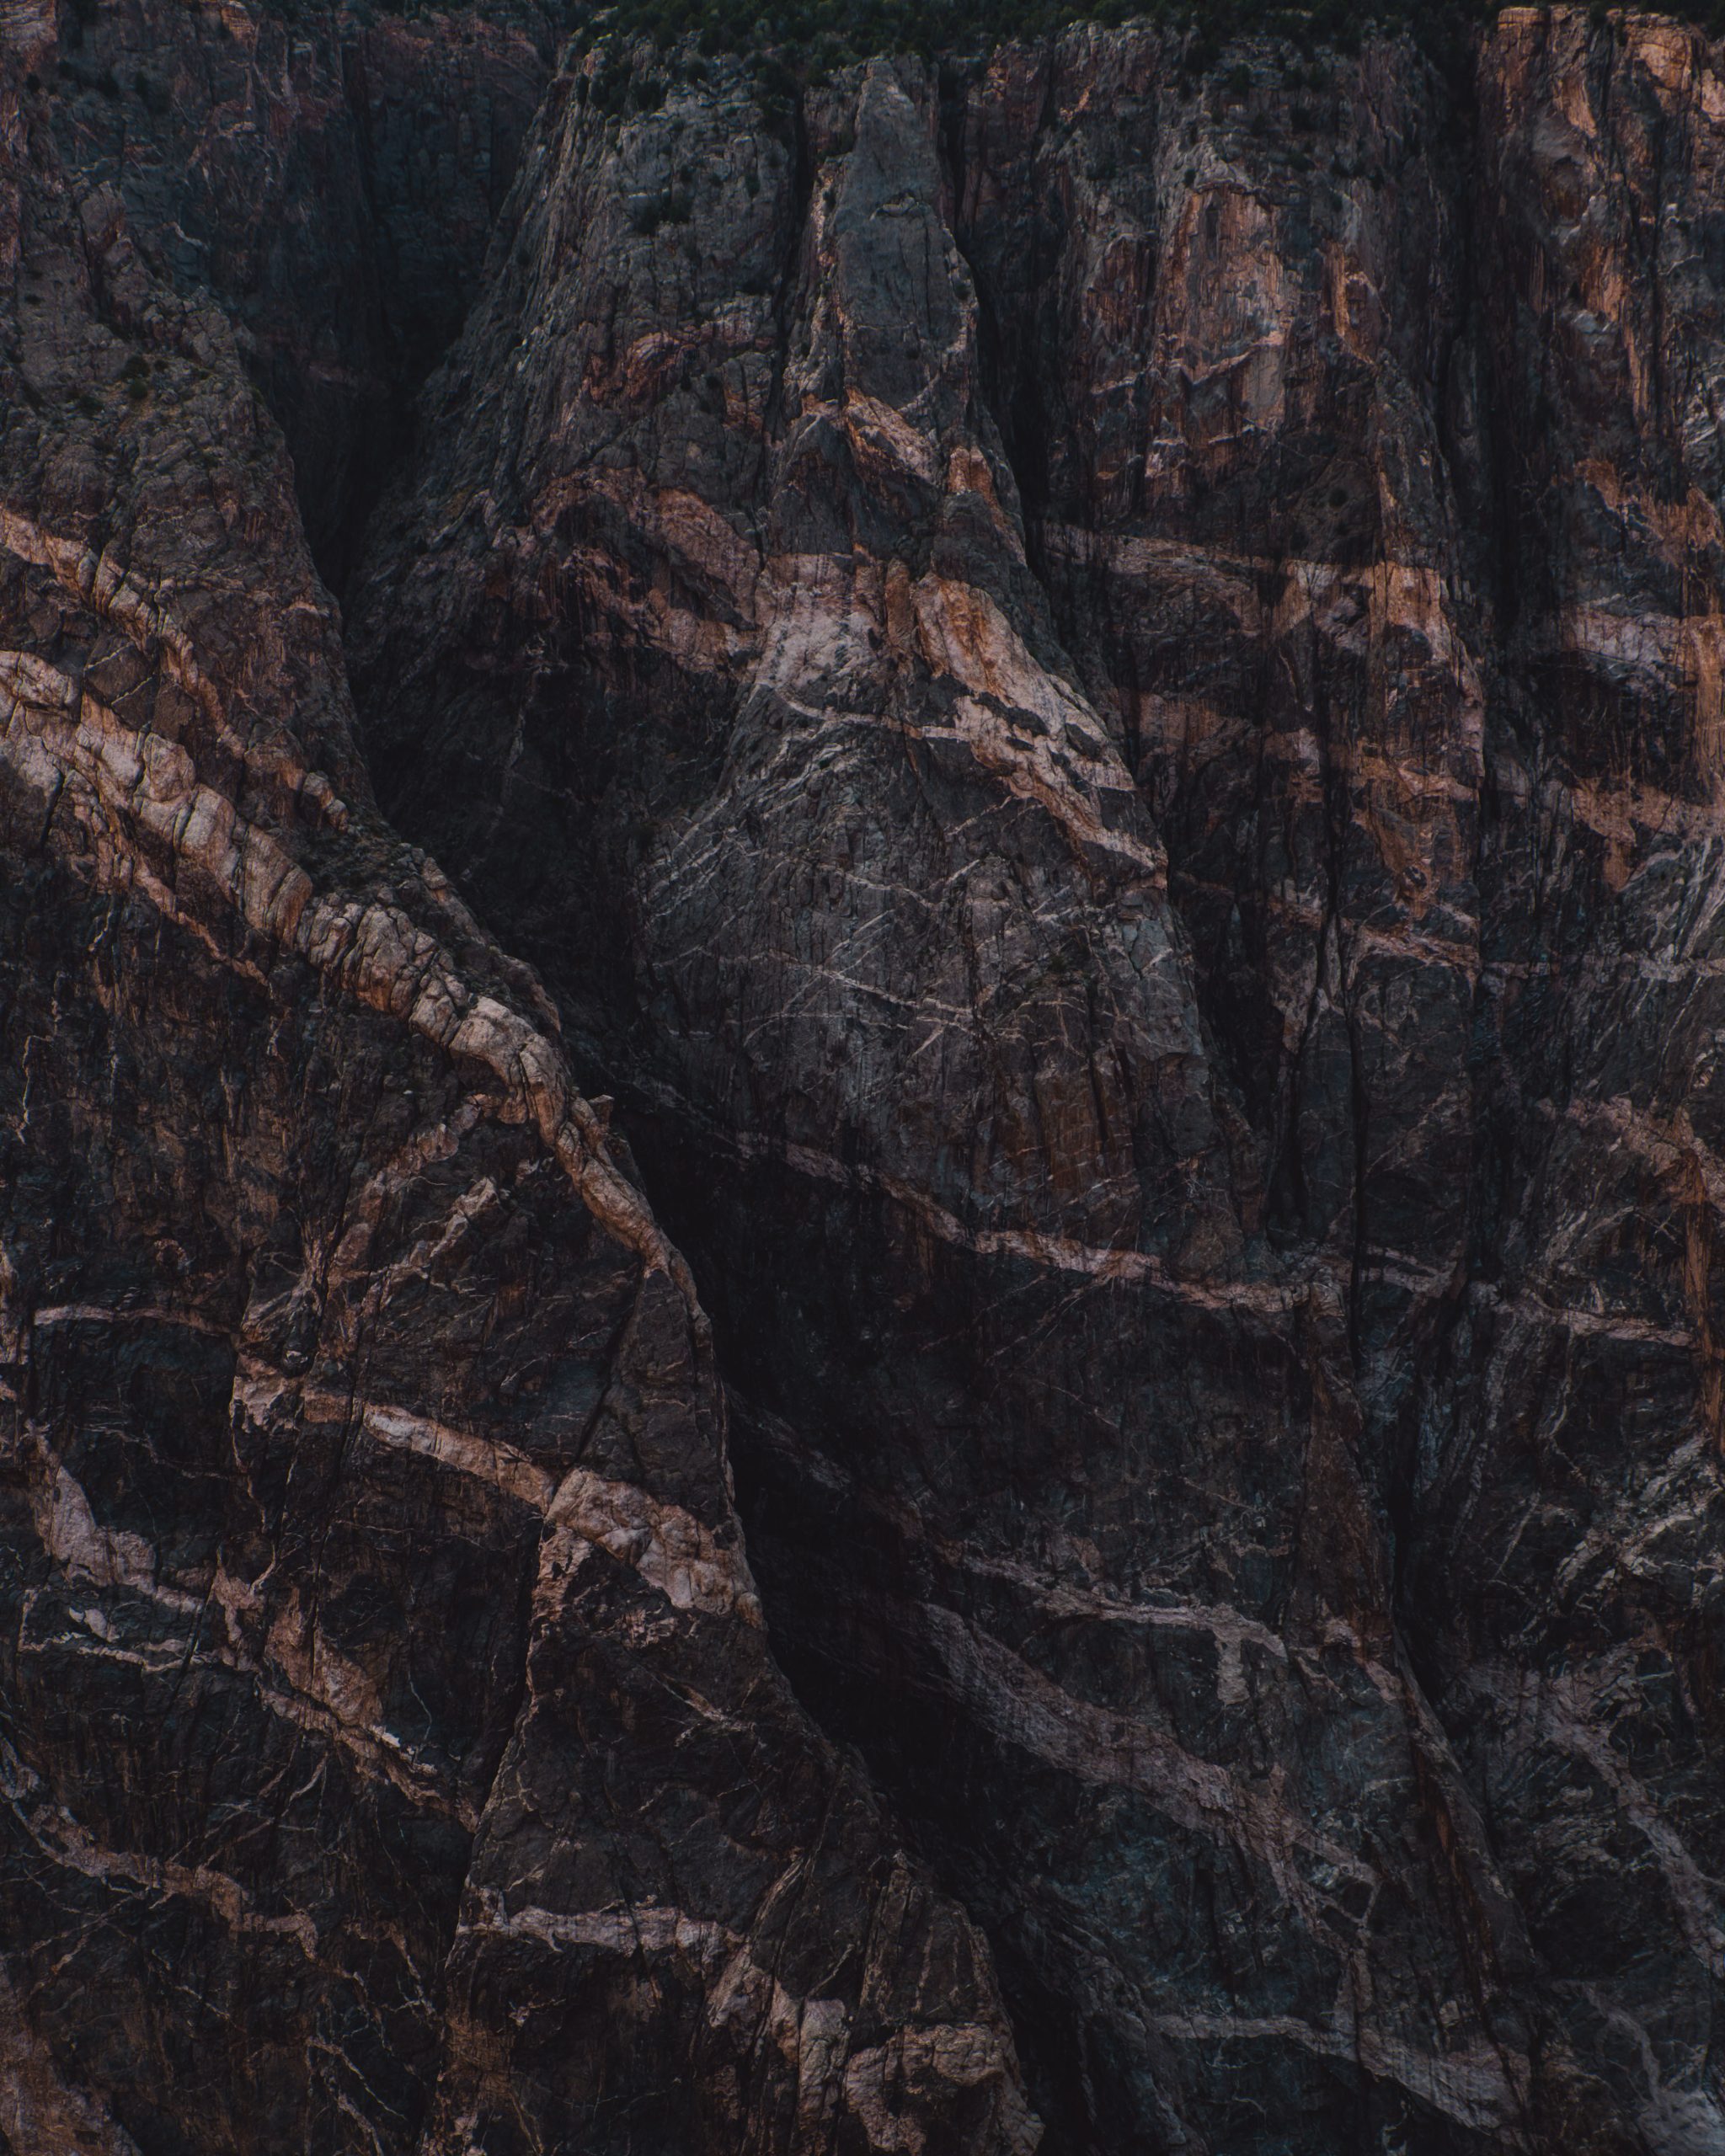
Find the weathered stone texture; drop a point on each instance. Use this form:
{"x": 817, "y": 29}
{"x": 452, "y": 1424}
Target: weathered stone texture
{"x": 1093, "y": 693}
{"x": 1096, "y": 699}
{"x": 391, "y": 1752}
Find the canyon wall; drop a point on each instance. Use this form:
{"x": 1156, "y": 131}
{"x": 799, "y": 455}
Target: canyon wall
{"x": 393, "y": 1754}
{"x": 1029, "y": 1445}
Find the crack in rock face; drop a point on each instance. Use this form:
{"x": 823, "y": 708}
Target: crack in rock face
{"x": 383, "y": 1664}
{"x": 856, "y": 1288}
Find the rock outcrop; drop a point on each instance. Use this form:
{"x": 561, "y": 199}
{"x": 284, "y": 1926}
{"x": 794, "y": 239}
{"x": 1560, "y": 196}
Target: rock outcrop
{"x": 1095, "y": 692}
{"x": 330, "y": 179}
{"x": 391, "y": 1752}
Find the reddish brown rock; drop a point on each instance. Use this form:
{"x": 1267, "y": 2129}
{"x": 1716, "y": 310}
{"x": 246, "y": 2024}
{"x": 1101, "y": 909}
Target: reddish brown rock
{"x": 391, "y": 1752}
{"x": 995, "y": 643}
{"x": 1096, "y": 696}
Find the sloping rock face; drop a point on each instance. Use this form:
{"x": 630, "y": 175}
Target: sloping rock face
{"x": 391, "y": 1756}
{"x": 330, "y": 180}
{"x": 1087, "y": 704}
{"x": 1098, "y": 697}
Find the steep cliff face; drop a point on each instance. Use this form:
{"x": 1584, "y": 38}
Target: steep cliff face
{"x": 1401, "y": 564}
{"x": 1096, "y": 695}
{"x": 329, "y": 180}
{"x": 392, "y": 1753}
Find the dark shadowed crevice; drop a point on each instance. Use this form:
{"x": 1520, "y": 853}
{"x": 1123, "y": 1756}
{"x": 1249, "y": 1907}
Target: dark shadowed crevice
{"x": 328, "y": 180}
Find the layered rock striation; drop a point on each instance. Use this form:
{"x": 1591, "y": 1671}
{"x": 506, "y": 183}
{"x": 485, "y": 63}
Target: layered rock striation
{"x": 1095, "y": 693}
{"x": 391, "y": 1756}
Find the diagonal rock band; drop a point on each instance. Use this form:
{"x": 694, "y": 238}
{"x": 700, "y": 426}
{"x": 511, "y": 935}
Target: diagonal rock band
{"x": 859, "y": 1000}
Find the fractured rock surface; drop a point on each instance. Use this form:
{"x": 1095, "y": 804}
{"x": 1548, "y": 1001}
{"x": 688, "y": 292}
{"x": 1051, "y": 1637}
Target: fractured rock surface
{"x": 393, "y": 1755}
{"x": 1096, "y": 699}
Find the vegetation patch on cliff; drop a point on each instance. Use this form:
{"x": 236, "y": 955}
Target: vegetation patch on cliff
{"x": 807, "y": 39}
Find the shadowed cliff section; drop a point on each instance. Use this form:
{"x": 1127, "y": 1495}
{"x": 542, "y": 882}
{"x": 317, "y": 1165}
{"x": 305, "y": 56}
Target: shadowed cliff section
{"x": 1093, "y": 683}
{"x": 328, "y": 177}
{"x": 391, "y": 1756}
{"x": 1096, "y": 692}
